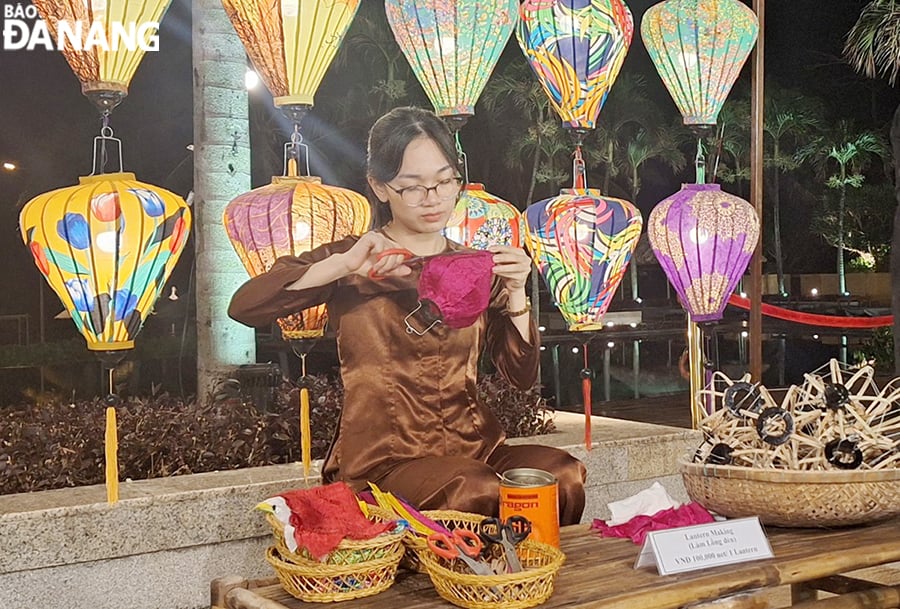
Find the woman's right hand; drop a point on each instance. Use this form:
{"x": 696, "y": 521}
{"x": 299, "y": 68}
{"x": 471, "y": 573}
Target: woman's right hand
{"x": 362, "y": 258}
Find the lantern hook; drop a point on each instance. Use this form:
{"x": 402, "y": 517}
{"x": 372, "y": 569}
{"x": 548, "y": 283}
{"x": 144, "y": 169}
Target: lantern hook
{"x": 462, "y": 157}
{"x": 101, "y": 144}
{"x": 292, "y": 153}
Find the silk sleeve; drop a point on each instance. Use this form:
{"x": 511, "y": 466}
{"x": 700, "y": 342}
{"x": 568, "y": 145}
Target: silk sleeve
{"x": 513, "y": 356}
{"x": 264, "y": 298}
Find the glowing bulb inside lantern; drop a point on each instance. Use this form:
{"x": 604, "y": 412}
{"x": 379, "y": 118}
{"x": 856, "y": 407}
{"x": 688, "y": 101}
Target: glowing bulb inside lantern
{"x": 445, "y": 45}
{"x": 698, "y": 236}
{"x": 106, "y": 241}
{"x": 290, "y": 8}
{"x": 302, "y": 230}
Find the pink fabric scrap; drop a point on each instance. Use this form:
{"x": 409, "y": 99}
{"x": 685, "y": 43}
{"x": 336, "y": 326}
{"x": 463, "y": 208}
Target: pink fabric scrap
{"x": 459, "y": 285}
{"x": 637, "y": 528}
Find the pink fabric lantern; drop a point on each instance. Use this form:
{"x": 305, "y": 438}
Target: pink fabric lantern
{"x": 703, "y": 238}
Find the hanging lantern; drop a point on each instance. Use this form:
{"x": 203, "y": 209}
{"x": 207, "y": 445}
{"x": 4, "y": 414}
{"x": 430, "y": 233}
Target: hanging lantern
{"x": 290, "y": 216}
{"x": 576, "y": 49}
{"x": 291, "y": 42}
{"x": 703, "y": 238}
{"x": 481, "y": 220}
{"x": 582, "y": 242}
{"x": 113, "y": 36}
{"x": 699, "y": 48}
{"x": 452, "y": 49}
{"x": 106, "y": 247}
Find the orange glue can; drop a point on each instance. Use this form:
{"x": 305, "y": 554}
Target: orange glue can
{"x": 532, "y": 493}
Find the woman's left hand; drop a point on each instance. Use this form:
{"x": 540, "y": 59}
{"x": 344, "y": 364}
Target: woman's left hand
{"x": 511, "y": 264}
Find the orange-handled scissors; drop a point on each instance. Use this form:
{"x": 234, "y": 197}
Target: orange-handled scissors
{"x": 408, "y": 258}
{"x": 463, "y": 544}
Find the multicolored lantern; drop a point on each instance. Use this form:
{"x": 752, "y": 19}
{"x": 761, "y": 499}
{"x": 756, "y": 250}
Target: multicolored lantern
{"x": 291, "y": 42}
{"x": 576, "y": 49}
{"x": 582, "y": 242}
{"x": 481, "y": 220}
{"x": 106, "y": 247}
{"x": 290, "y": 216}
{"x": 452, "y": 47}
{"x": 698, "y": 48}
{"x": 703, "y": 238}
{"x": 126, "y": 30}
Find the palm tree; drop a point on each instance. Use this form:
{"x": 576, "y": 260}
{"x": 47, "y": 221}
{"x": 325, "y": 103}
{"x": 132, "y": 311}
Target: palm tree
{"x": 221, "y": 172}
{"x": 790, "y": 118}
{"x": 841, "y": 157}
{"x": 730, "y": 147}
{"x": 873, "y": 49}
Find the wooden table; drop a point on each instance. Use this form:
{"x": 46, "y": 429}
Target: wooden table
{"x": 599, "y": 573}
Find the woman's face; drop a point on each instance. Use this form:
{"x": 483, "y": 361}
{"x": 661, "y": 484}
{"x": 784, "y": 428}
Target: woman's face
{"x": 424, "y": 165}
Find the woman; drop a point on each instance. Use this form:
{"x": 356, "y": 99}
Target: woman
{"x": 410, "y": 421}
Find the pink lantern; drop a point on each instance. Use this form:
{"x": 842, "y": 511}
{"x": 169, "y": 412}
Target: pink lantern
{"x": 481, "y": 220}
{"x": 703, "y": 238}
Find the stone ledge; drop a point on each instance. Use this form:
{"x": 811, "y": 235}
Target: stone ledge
{"x": 72, "y": 526}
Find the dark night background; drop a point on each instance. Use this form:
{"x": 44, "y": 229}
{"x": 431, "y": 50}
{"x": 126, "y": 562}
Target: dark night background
{"x": 48, "y": 126}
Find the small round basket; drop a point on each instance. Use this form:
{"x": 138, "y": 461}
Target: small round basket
{"x": 534, "y": 585}
{"x": 325, "y": 583}
{"x": 348, "y": 552}
{"x": 450, "y": 519}
{"x": 795, "y": 498}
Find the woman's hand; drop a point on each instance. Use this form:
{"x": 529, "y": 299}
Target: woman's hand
{"x": 511, "y": 264}
{"x": 362, "y": 258}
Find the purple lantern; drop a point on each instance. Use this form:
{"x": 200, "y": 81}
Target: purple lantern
{"x": 703, "y": 238}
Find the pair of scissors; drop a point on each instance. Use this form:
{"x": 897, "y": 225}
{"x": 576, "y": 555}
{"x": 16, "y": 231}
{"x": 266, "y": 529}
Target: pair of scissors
{"x": 507, "y": 534}
{"x": 408, "y": 258}
{"x": 463, "y": 544}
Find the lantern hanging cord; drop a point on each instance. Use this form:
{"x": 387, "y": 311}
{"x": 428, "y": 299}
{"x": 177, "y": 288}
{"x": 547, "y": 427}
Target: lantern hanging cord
{"x": 700, "y": 162}
{"x": 463, "y": 157}
{"x": 579, "y": 171}
{"x": 292, "y": 153}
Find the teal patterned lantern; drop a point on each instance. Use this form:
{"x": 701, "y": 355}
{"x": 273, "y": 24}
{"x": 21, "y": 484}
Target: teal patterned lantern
{"x": 699, "y": 48}
{"x": 452, "y": 46}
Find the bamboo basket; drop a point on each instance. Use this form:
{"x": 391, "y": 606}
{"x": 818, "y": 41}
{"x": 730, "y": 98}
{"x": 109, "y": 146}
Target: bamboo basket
{"x": 795, "y": 498}
{"x": 349, "y": 551}
{"x": 325, "y": 583}
{"x": 532, "y": 586}
{"x": 450, "y": 519}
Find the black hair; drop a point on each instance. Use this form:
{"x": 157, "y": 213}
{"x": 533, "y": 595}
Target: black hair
{"x": 388, "y": 139}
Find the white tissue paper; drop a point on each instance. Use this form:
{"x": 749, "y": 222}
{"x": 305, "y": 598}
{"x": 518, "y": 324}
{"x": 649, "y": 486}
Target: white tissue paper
{"x": 645, "y": 503}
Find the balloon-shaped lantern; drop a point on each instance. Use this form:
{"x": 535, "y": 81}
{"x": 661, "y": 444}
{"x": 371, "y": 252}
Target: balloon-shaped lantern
{"x": 576, "y": 49}
{"x": 113, "y": 37}
{"x": 291, "y": 43}
{"x": 481, "y": 220}
{"x": 290, "y": 216}
{"x": 703, "y": 238}
{"x": 106, "y": 247}
{"x": 698, "y": 48}
{"x": 294, "y": 214}
{"x": 452, "y": 47}
{"x": 582, "y": 242}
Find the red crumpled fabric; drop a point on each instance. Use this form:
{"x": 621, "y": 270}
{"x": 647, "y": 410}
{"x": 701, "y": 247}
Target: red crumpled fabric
{"x": 323, "y": 516}
{"x": 637, "y": 528}
{"x": 459, "y": 285}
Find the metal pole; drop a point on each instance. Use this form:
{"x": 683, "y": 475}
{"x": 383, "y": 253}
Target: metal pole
{"x": 606, "y": 374}
{"x": 636, "y": 367}
{"x": 695, "y": 357}
{"x": 756, "y": 190}
{"x": 557, "y": 391}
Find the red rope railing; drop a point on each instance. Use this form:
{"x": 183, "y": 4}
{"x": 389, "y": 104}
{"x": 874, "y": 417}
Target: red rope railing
{"x": 814, "y": 319}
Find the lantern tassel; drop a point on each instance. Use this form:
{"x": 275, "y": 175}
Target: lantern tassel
{"x": 586, "y": 398}
{"x": 305, "y": 434}
{"x": 112, "y": 458}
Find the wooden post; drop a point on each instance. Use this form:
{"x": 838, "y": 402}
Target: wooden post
{"x": 756, "y": 190}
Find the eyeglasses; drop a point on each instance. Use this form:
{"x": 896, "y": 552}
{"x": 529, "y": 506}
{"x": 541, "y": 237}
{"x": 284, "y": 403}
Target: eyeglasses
{"x": 414, "y": 196}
